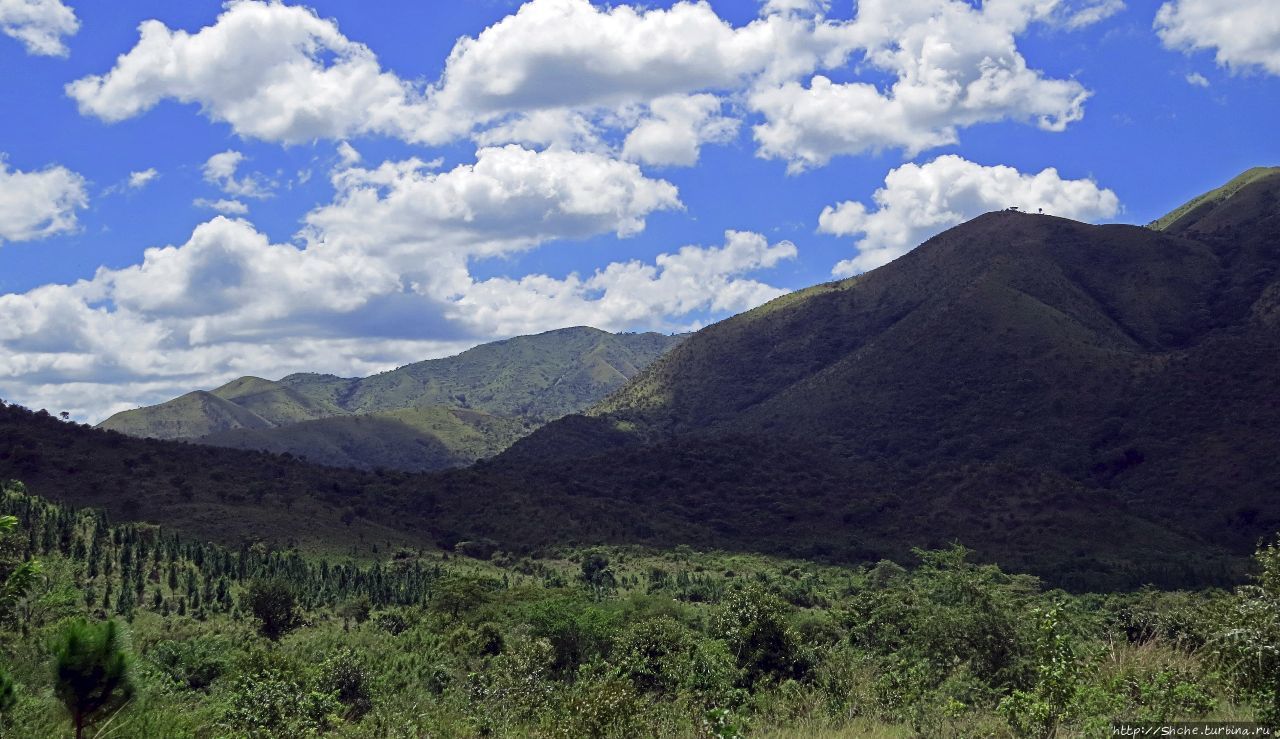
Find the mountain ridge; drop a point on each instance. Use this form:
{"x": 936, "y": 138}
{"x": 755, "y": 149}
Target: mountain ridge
{"x": 1092, "y": 404}
{"x": 509, "y": 386}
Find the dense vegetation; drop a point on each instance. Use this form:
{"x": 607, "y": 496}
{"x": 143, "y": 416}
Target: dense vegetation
{"x": 425, "y": 416}
{"x": 194, "y": 640}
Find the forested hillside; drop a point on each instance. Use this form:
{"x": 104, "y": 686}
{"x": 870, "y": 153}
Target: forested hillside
{"x": 429, "y": 415}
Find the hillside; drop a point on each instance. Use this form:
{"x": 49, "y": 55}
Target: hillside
{"x": 423, "y": 416}
{"x": 412, "y": 439}
{"x": 1093, "y": 404}
{"x": 1129, "y": 369}
{"x": 1186, "y": 214}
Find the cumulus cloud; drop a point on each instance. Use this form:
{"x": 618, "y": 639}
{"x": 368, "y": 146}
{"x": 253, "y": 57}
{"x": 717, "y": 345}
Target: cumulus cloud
{"x": 1243, "y": 34}
{"x": 38, "y": 24}
{"x": 921, "y": 200}
{"x": 271, "y": 71}
{"x": 220, "y": 169}
{"x": 35, "y": 205}
{"x": 510, "y": 199}
{"x": 632, "y": 293}
{"x": 650, "y": 84}
{"x": 954, "y": 65}
{"x": 379, "y": 277}
{"x": 573, "y": 54}
{"x": 676, "y": 128}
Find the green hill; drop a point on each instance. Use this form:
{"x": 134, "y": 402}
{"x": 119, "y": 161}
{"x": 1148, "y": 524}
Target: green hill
{"x": 190, "y": 416}
{"x": 539, "y": 378}
{"x": 414, "y": 439}
{"x": 1189, "y": 212}
{"x": 1094, "y": 404}
{"x": 506, "y": 388}
{"x": 1004, "y": 385}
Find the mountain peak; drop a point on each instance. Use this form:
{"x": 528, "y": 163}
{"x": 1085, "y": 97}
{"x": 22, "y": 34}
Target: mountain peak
{"x": 1194, "y": 210}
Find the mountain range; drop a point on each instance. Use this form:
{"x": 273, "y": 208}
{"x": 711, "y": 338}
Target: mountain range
{"x": 424, "y": 416}
{"x": 1093, "y": 404}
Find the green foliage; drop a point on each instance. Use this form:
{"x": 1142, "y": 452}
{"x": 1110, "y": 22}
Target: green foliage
{"x": 272, "y": 697}
{"x": 345, "y": 677}
{"x": 666, "y": 658}
{"x": 1248, "y": 648}
{"x": 91, "y": 671}
{"x": 273, "y": 603}
{"x": 18, "y": 579}
{"x": 193, "y": 663}
{"x": 1061, "y": 672}
{"x": 685, "y": 643}
{"x": 753, "y": 625}
{"x": 8, "y": 694}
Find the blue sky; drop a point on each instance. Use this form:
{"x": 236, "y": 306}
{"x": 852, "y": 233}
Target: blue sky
{"x": 195, "y": 191}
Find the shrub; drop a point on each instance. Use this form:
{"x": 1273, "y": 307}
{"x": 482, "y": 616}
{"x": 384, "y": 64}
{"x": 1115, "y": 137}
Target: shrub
{"x": 272, "y": 602}
{"x": 192, "y": 663}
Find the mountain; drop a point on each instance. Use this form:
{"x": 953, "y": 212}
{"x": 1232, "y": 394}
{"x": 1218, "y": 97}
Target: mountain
{"x": 429, "y": 415}
{"x": 1093, "y": 404}
{"x": 190, "y": 416}
{"x": 1031, "y": 386}
{"x": 414, "y": 439}
{"x": 1184, "y": 216}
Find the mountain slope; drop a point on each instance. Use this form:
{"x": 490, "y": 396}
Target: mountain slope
{"x": 1189, "y": 212}
{"x": 412, "y": 439}
{"x": 1068, "y": 376}
{"x": 190, "y": 416}
{"x": 506, "y": 388}
{"x": 539, "y": 377}
{"x": 1096, "y": 405}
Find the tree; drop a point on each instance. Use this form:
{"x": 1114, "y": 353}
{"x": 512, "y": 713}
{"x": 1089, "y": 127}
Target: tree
{"x": 91, "y": 671}
{"x": 273, "y": 603}
{"x": 597, "y": 574}
{"x": 1248, "y": 646}
{"x": 19, "y": 580}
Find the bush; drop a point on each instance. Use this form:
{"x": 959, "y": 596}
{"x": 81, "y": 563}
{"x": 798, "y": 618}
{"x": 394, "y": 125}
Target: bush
{"x": 345, "y": 677}
{"x": 274, "y": 702}
{"x": 753, "y": 623}
{"x": 272, "y": 602}
{"x": 192, "y": 663}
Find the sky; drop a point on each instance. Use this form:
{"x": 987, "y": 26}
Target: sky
{"x": 192, "y": 192}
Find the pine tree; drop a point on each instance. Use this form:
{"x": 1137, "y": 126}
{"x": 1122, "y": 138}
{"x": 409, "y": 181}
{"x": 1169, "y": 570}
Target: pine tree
{"x": 91, "y": 671}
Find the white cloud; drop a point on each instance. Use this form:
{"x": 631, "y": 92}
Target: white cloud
{"x": 347, "y": 156}
{"x": 676, "y": 129}
{"x": 572, "y": 54}
{"x": 1091, "y": 12}
{"x": 38, "y": 24}
{"x": 647, "y": 83}
{"x": 273, "y": 72}
{"x": 383, "y": 276}
{"x": 804, "y": 7}
{"x": 220, "y": 169}
{"x": 139, "y": 180}
{"x": 626, "y": 294}
{"x": 510, "y": 199}
{"x": 223, "y": 206}
{"x": 34, "y": 205}
{"x": 921, "y": 200}
{"x": 1196, "y": 79}
{"x": 954, "y": 66}
{"x": 1242, "y": 33}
